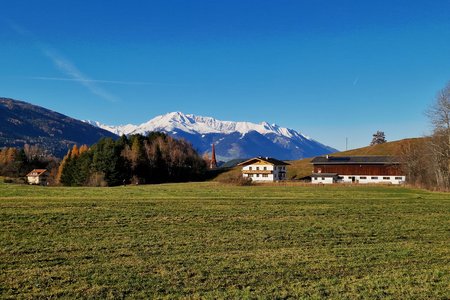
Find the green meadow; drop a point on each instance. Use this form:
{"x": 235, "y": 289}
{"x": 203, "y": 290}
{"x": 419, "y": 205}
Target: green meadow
{"x": 211, "y": 240}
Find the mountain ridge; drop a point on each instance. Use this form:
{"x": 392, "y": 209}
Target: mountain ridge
{"x": 232, "y": 139}
{"x": 25, "y": 123}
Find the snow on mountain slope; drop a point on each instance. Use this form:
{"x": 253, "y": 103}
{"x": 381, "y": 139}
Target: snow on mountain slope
{"x": 232, "y": 139}
{"x": 119, "y": 130}
{"x": 198, "y": 124}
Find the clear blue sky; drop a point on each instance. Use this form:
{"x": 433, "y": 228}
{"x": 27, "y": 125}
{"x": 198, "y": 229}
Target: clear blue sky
{"x": 330, "y": 69}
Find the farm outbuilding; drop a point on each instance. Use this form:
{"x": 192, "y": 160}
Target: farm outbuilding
{"x": 37, "y": 176}
{"x": 357, "y": 169}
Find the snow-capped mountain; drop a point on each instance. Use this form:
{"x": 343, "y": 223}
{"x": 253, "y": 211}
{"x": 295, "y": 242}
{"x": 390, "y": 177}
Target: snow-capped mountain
{"x": 231, "y": 139}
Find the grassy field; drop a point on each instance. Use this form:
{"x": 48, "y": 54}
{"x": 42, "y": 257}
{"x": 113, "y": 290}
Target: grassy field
{"x": 208, "y": 240}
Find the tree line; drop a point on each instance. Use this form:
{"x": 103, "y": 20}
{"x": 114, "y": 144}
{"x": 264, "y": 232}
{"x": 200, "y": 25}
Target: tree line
{"x": 155, "y": 158}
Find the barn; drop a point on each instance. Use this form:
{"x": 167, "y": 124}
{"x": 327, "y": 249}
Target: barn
{"x": 357, "y": 169}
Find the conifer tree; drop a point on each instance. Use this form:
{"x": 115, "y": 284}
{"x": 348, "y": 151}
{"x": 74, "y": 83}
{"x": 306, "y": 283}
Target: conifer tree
{"x": 378, "y": 138}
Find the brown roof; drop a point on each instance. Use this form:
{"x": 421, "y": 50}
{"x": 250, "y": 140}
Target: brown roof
{"x": 36, "y": 172}
{"x": 360, "y": 160}
{"x": 269, "y": 160}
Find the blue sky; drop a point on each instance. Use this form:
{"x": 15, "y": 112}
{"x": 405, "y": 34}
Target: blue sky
{"x": 330, "y": 69}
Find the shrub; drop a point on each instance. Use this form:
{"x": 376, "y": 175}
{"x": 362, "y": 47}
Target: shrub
{"x": 97, "y": 179}
{"x": 236, "y": 179}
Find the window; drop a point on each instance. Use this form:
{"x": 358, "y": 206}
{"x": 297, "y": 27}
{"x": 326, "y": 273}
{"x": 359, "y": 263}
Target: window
{"x": 373, "y": 177}
{"x": 250, "y": 168}
{"x": 250, "y": 175}
{"x": 349, "y": 177}
{"x": 398, "y": 178}
{"x": 385, "y": 178}
{"x": 257, "y": 168}
{"x": 265, "y": 175}
{"x": 323, "y": 178}
{"x": 265, "y": 168}
{"x": 315, "y": 178}
{"x": 363, "y": 177}
{"x": 257, "y": 175}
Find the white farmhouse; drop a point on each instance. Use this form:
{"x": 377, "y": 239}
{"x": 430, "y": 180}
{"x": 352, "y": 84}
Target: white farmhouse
{"x": 264, "y": 169}
{"x": 37, "y": 176}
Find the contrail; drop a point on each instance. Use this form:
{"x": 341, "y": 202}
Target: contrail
{"x": 72, "y": 71}
{"x": 93, "y": 80}
{"x": 63, "y": 64}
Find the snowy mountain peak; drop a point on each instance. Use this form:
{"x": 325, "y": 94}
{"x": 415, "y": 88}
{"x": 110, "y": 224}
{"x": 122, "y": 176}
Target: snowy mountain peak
{"x": 199, "y": 124}
{"x": 238, "y": 139}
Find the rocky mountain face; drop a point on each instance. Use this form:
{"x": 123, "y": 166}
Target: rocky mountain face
{"x": 23, "y": 123}
{"x": 232, "y": 139}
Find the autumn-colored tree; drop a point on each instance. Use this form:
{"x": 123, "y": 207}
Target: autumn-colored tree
{"x": 61, "y": 167}
{"x": 75, "y": 152}
{"x": 83, "y": 149}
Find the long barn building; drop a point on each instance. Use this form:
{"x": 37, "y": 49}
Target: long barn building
{"x": 357, "y": 169}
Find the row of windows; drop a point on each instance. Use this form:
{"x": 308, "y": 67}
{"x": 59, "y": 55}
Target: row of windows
{"x": 265, "y": 168}
{"x": 376, "y": 177}
{"x": 257, "y": 175}
{"x": 257, "y": 168}
{"x": 364, "y": 177}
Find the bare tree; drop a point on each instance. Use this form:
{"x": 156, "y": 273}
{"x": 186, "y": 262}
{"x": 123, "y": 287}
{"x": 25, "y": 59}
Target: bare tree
{"x": 439, "y": 115}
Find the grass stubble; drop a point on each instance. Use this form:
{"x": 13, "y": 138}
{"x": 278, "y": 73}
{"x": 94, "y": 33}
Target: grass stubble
{"x": 210, "y": 240}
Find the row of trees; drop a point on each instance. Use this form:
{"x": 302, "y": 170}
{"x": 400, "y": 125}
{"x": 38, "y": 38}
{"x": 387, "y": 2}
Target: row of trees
{"x": 155, "y": 158}
{"x": 428, "y": 164}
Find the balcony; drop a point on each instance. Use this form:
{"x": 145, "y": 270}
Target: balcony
{"x": 257, "y": 171}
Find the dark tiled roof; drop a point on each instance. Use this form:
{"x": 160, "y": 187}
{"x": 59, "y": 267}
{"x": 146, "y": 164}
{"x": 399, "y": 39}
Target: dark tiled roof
{"x": 342, "y": 160}
{"x": 324, "y": 174}
{"x": 270, "y": 160}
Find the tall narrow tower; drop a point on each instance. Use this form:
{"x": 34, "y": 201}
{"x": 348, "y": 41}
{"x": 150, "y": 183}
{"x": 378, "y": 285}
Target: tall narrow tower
{"x": 213, "y": 163}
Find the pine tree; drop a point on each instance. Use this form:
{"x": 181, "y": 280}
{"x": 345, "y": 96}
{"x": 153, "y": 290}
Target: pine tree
{"x": 378, "y": 138}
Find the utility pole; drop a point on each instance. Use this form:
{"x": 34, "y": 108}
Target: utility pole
{"x": 346, "y": 143}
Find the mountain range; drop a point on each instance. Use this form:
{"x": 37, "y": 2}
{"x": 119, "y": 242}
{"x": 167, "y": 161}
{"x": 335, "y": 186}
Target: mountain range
{"x": 24, "y": 123}
{"x": 231, "y": 139}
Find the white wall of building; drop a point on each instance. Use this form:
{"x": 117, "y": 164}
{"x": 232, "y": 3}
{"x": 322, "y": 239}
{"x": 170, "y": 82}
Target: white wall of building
{"x": 33, "y": 179}
{"x": 276, "y": 171}
{"x": 322, "y": 180}
{"x": 364, "y": 179}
